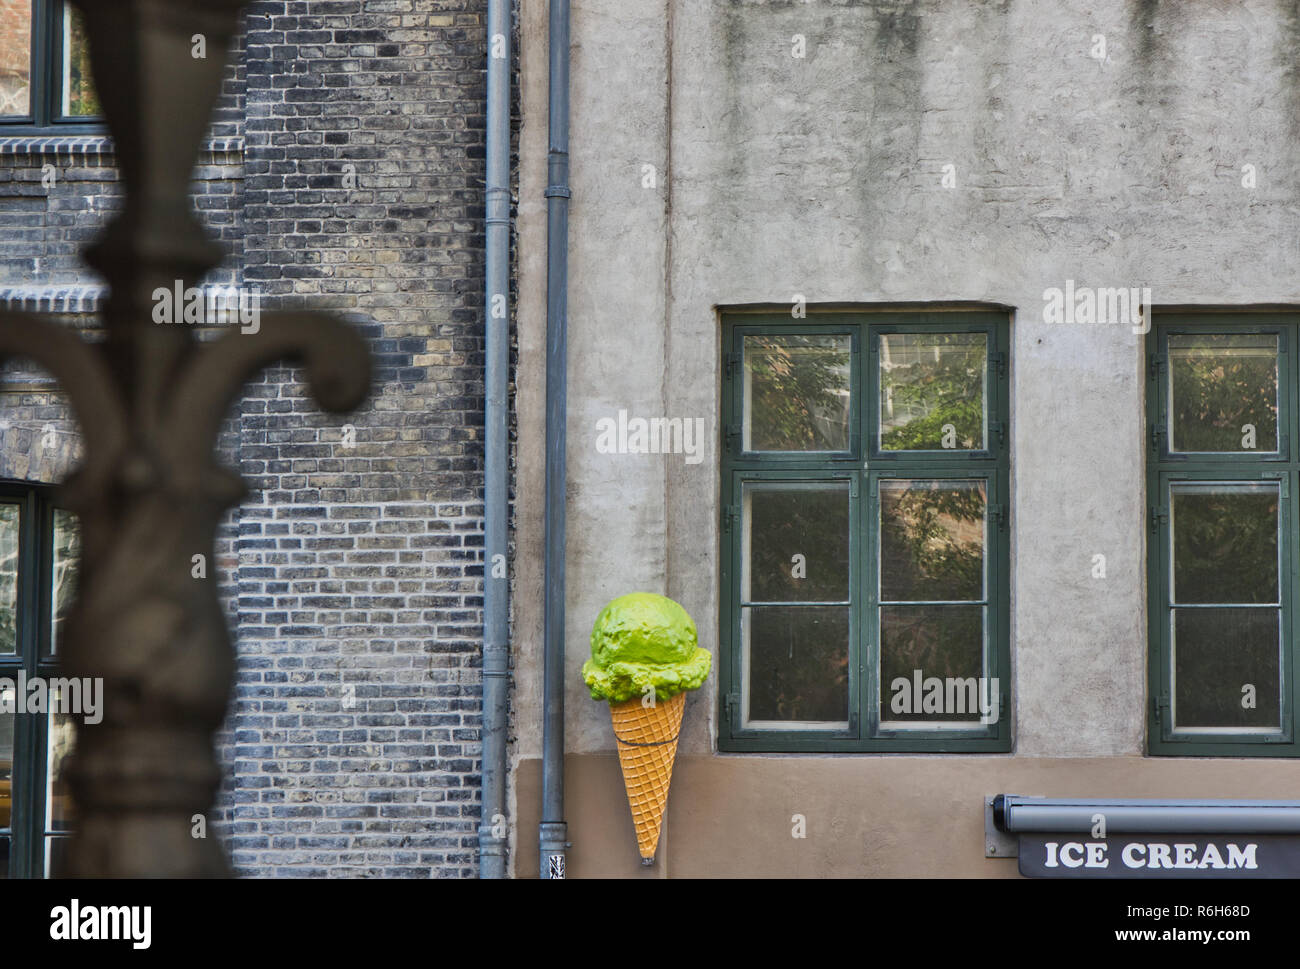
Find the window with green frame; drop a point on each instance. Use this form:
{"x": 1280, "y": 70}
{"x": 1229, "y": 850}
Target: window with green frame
{"x": 864, "y": 533}
{"x": 45, "y": 78}
{"x": 39, "y": 554}
{"x": 1222, "y": 414}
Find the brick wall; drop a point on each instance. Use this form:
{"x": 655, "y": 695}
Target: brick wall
{"x": 56, "y": 195}
{"x": 353, "y": 571}
{"x": 356, "y": 735}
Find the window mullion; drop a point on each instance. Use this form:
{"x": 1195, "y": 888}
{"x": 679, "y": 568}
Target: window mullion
{"x": 41, "y": 58}
{"x": 54, "y": 51}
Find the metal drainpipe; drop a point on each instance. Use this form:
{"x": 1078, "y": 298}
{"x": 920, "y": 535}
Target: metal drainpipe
{"x": 492, "y": 838}
{"x": 553, "y": 832}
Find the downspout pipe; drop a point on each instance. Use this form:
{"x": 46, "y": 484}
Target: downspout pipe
{"x": 553, "y": 832}
{"x": 493, "y": 839}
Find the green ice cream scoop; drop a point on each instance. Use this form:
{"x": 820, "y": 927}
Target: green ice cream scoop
{"x": 644, "y": 640}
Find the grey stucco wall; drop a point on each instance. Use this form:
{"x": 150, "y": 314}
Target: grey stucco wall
{"x": 823, "y": 176}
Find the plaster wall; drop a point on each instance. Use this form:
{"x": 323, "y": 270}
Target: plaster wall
{"x": 823, "y": 175}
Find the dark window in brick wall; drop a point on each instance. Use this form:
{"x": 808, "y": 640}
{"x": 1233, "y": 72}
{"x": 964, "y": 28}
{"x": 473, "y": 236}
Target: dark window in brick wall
{"x": 39, "y": 551}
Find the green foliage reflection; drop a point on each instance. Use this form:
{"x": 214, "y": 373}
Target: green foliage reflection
{"x": 1225, "y": 545}
{"x": 798, "y": 392}
{"x": 932, "y": 540}
{"x": 928, "y": 381}
{"x": 1221, "y": 383}
{"x": 799, "y": 659}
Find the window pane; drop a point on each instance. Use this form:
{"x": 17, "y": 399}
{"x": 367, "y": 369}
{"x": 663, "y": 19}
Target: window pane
{"x": 931, "y": 540}
{"x": 9, "y": 516}
{"x": 932, "y": 391}
{"x": 62, "y": 735}
{"x": 796, "y": 666}
{"x": 78, "y": 93}
{"x": 797, "y": 393}
{"x": 16, "y": 58}
{"x": 56, "y": 848}
{"x": 931, "y": 642}
{"x": 797, "y": 540}
{"x": 1223, "y": 392}
{"x": 6, "y": 759}
{"x": 1225, "y": 543}
{"x": 67, "y": 559}
{"x": 1226, "y": 668}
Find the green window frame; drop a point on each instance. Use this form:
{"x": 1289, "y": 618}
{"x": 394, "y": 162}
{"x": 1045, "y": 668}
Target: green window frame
{"x": 39, "y": 551}
{"x": 57, "y": 77}
{"x": 1224, "y": 542}
{"x": 854, "y": 493}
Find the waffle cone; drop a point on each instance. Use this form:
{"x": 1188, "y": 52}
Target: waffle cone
{"x": 647, "y": 746}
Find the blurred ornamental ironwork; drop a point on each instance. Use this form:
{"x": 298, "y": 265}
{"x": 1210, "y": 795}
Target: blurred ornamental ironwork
{"x": 150, "y": 399}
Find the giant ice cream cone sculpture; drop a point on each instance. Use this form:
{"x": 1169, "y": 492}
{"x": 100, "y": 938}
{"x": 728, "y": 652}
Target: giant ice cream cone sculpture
{"x": 644, "y": 656}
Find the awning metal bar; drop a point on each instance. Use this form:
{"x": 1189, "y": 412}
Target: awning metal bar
{"x": 1017, "y": 814}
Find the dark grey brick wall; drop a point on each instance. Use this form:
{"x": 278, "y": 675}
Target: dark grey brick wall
{"x": 48, "y": 214}
{"x": 56, "y": 194}
{"x": 347, "y": 173}
{"x": 356, "y": 740}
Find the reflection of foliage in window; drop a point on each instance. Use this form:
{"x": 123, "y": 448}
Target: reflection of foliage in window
{"x": 799, "y": 392}
{"x": 1225, "y": 546}
{"x": 67, "y": 561}
{"x": 1225, "y": 551}
{"x": 82, "y": 100}
{"x": 1217, "y": 652}
{"x": 940, "y": 641}
{"x": 799, "y": 654}
{"x": 932, "y": 393}
{"x": 8, "y": 578}
{"x": 812, "y": 522}
{"x": 1222, "y": 382}
{"x": 800, "y": 664}
{"x": 933, "y": 541}
{"x": 932, "y": 548}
